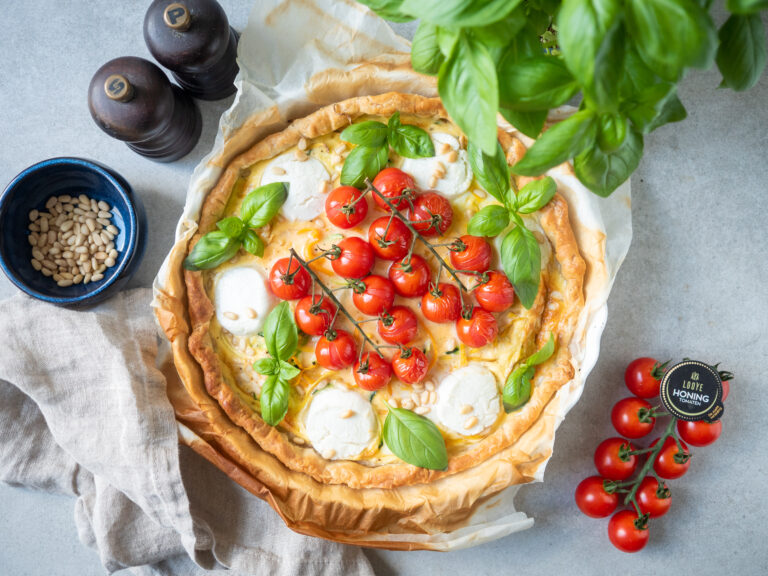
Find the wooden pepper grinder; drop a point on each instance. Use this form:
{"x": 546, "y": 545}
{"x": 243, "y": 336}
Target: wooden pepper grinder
{"x": 131, "y": 99}
{"x": 193, "y": 39}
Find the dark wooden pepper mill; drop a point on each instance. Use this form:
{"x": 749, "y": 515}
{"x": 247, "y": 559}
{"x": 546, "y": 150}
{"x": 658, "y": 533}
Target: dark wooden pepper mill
{"x": 131, "y": 99}
{"x": 193, "y": 39}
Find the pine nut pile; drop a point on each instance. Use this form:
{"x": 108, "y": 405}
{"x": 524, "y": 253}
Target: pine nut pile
{"x": 74, "y": 242}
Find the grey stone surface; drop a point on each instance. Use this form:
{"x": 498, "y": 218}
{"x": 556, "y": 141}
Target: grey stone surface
{"x": 694, "y": 284}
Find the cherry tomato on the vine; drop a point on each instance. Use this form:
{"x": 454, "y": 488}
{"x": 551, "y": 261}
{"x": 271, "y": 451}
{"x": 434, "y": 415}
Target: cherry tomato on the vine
{"x": 410, "y": 365}
{"x": 478, "y": 329}
{"x": 289, "y": 284}
{"x": 726, "y": 388}
{"x": 471, "y": 253}
{"x": 314, "y": 314}
{"x": 335, "y": 350}
{"x": 643, "y": 377}
{"x": 593, "y": 500}
{"x": 497, "y": 294}
{"x": 670, "y": 462}
{"x": 398, "y": 326}
{"x": 410, "y": 279}
{"x": 389, "y": 240}
{"x": 611, "y": 460}
{"x": 432, "y": 214}
{"x": 653, "y": 498}
{"x": 624, "y": 532}
{"x": 355, "y": 260}
{"x": 631, "y": 417}
{"x": 373, "y": 294}
{"x": 372, "y": 372}
{"x": 345, "y": 208}
{"x": 443, "y": 304}
{"x": 699, "y": 433}
{"x": 393, "y": 182}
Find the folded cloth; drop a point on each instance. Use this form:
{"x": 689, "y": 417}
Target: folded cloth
{"x": 83, "y": 411}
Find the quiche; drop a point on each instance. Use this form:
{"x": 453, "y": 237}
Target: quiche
{"x": 354, "y": 323}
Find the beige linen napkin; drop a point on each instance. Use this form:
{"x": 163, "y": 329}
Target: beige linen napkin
{"x": 83, "y": 411}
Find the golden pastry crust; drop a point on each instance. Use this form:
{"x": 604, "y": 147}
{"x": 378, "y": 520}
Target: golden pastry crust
{"x": 541, "y": 319}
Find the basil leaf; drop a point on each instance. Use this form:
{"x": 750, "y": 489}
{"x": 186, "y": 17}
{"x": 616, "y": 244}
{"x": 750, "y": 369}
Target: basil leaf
{"x": 741, "y": 55}
{"x": 414, "y": 439}
{"x": 637, "y": 75}
{"x": 500, "y": 32}
{"x": 562, "y": 141}
{"x": 673, "y": 111}
{"x": 529, "y": 123}
{"x": 267, "y": 366}
{"x": 425, "y": 51}
{"x": 388, "y": 9}
{"x": 492, "y": 172}
{"x": 489, "y": 221}
{"x": 542, "y": 354}
{"x": 253, "y": 243}
{"x": 747, "y": 6}
{"x": 263, "y": 203}
{"x": 603, "y": 172}
{"x": 446, "y": 39}
{"x": 275, "y": 393}
{"x": 646, "y": 106}
{"x": 280, "y": 333}
{"x": 211, "y": 250}
{"x": 369, "y": 133}
{"x": 363, "y": 162}
{"x": 288, "y": 371}
{"x": 469, "y": 89}
{"x": 407, "y": 140}
{"x": 521, "y": 261}
{"x": 517, "y": 390}
{"x": 535, "y": 83}
{"x": 611, "y": 131}
{"x": 232, "y": 226}
{"x": 535, "y": 195}
{"x": 460, "y": 13}
{"x": 671, "y": 34}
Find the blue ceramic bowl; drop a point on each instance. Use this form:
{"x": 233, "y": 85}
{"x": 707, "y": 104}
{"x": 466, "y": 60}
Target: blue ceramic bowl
{"x": 72, "y": 176}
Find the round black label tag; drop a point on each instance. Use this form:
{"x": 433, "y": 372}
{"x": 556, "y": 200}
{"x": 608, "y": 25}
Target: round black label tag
{"x": 692, "y": 390}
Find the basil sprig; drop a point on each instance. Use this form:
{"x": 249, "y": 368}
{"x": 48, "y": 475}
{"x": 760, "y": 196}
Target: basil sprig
{"x": 373, "y": 140}
{"x": 520, "y": 251}
{"x": 517, "y": 390}
{"x": 282, "y": 339}
{"x": 257, "y": 210}
{"x": 415, "y": 439}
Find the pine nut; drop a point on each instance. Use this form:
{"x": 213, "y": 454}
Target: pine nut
{"x": 50, "y": 265}
{"x": 251, "y": 313}
{"x": 231, "y": 315}
{"x": 470, "y": 423}
{"x": 32, "y": 238}
{"x": 300, "y": 155}
{"x": 328, "y": 454}
{"x": 37, "y": 255}
{"x": 408, "y": 404}
{"x": 340, "y": 148}
{"x": 112, "y": 229}
{"x": 103, "y": 206}
{"x": 103, "y": 221}
{"x": 445, "y": 148}
{"x": 429, "y": 385}
{"x": 347, "y": 414}
{"x": 113, "y": 254}
{"x": 34, "y": 215}
{"x": 46, "y": 272}
{"x": 77, "y": 279}
{"x": 302, "y": 145}
{"x": 453, "y": 155}
{"x": 433, "y": 181}
{"x": 424, "y": 397}
{"x": 422, "y": 410}
{"x": 109, "y": 262}
{"x": 298, "y": 440}
{"x": 51, "y": 202}
{"x": 278, "y": 170}
{"x": 97, "y": 277}
{"x": 466, "y": 409}
{"x": 87, "y": 278}
{"x": 36, "y": 264}
{"x": 100, "y": 255}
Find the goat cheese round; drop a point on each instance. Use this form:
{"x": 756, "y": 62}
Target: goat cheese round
{"x": 242, "y": 300}
{"x": 305, "y": 196}
{"x": 340, "y": 424}
{"x": 458, "y": 173}
{"x": 468, "y": 400}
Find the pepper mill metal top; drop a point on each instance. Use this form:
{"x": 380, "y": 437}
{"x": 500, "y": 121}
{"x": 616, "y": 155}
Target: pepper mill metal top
{"x": 131, "y": 99}
{"x": 193, "y": 39}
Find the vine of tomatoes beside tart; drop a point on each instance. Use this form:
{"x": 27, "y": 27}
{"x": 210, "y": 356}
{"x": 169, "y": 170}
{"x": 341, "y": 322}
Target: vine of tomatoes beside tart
{"x": 406, "y": 325}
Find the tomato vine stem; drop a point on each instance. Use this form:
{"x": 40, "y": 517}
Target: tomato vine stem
{"x": 654, "y": 451}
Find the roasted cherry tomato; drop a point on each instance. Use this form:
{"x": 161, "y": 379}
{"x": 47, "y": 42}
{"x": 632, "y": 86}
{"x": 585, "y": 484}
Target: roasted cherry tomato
{"x": 699, "y": 433}
{"x": 432, "y": 214}
{"x": 289, "y": 284}
{"x": 398, "y": 326}
{"x": 653, "y": 498}
{"x": 410, "y": 365}
{"x": 373, "y": 294}
{"x": 628, "y": 532}
{"x": 670, "y": 462}
{"x": 643, "y": 377}
{"x": 355, "y": 259}
{"x": 593, "y": 500}
{"x": 410, "y": 279}
{"x": 372, "y": 372}
{"x": 335, "y": 350}
{"x": 345, "y": 208}
{"x": 314, "y": 314}
{"x": 393, "y": 182}
{"x": 497, "y": 294}
{"x": 389, "y": 240}
{"x": 471, "y": 253}
{"x": 443, "y": 304}
{"x": 631, "y": 417}
{"x": 477, "y": 328}
{"x": 611, "y": 460}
